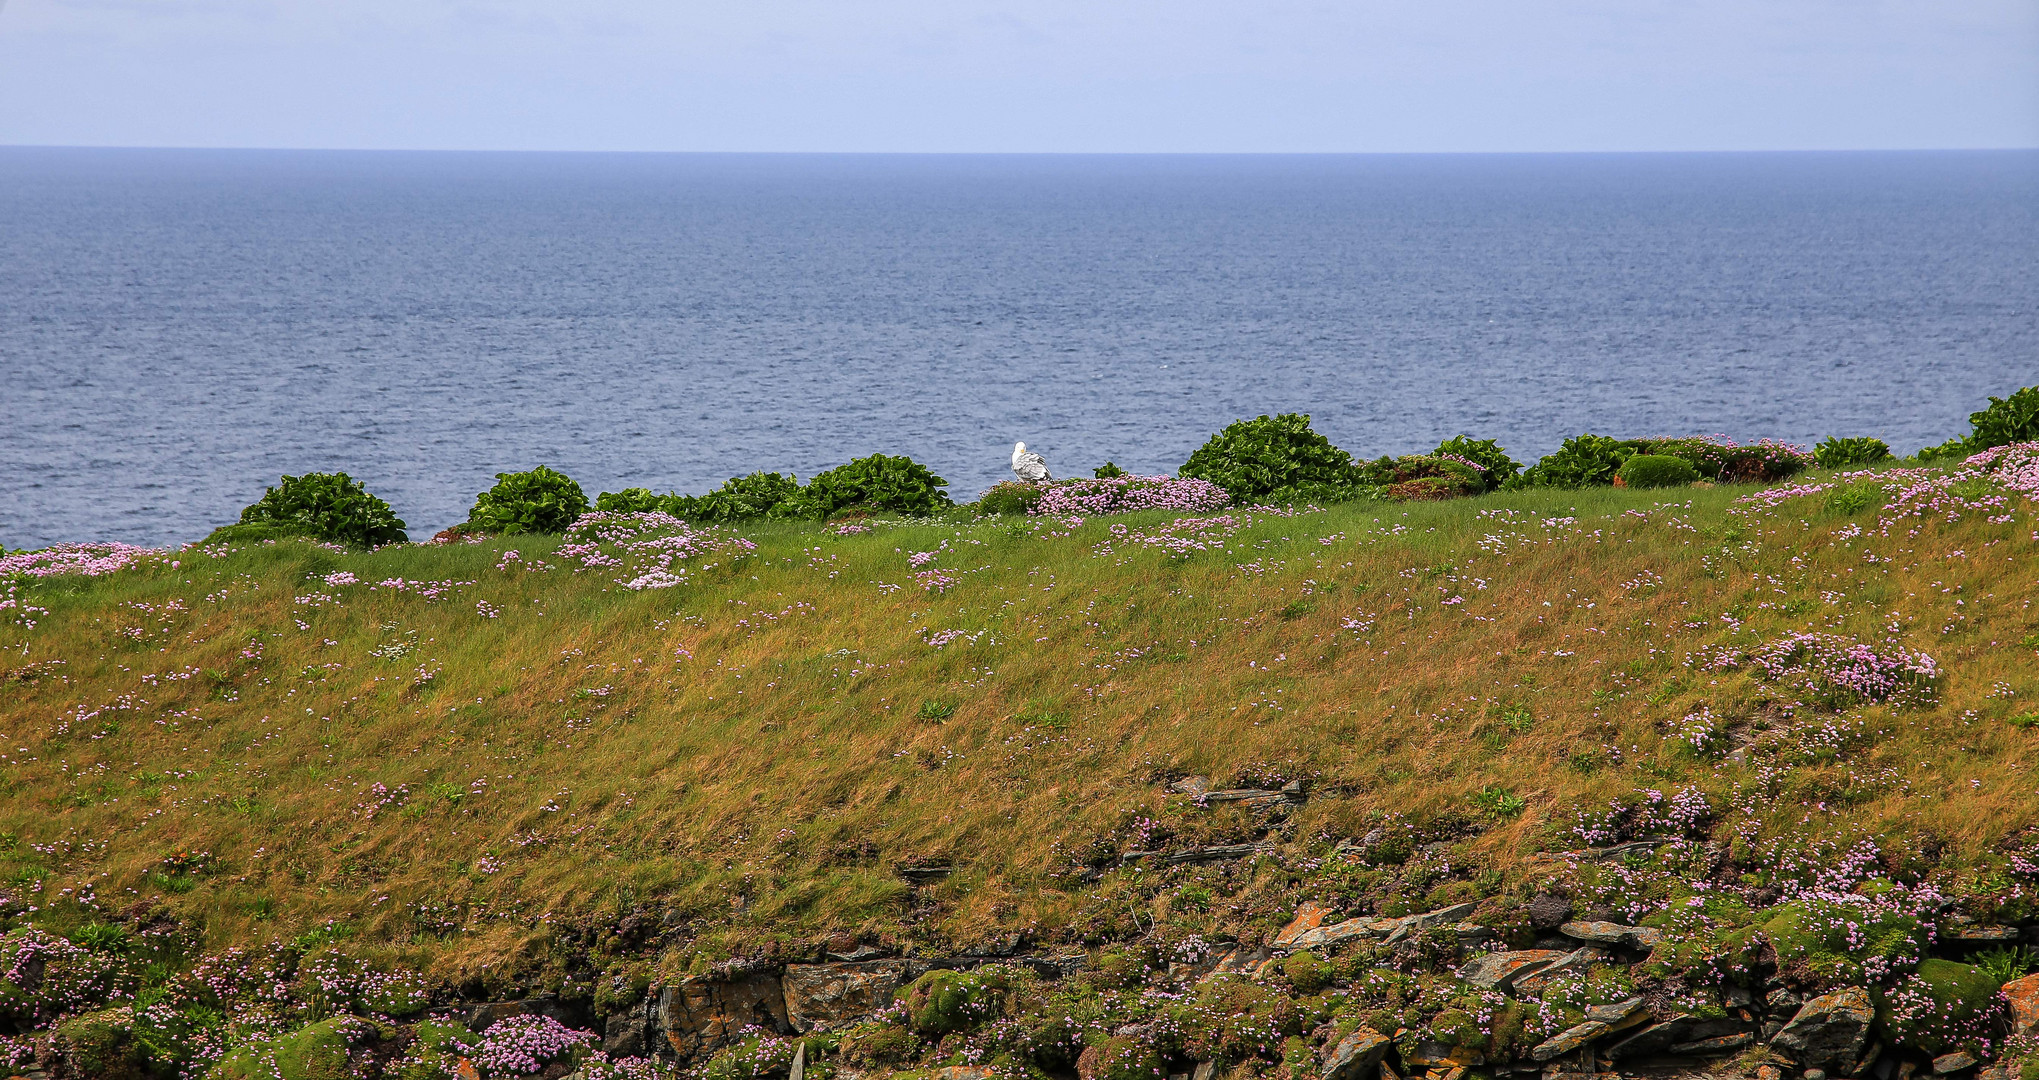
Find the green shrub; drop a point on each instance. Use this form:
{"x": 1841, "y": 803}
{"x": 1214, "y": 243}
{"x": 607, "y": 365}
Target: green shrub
{"x": 642, "y": 501}
{"x": 877, "y": 483}
{"x": 1010, "y": 497}
{"x": 539, "y": 501}
{"x": 2008, "y": 420}
{"x": 1274, "y": 457}
{"x": 1838, "y": 453}
{"x": 1486, "y": 453}
{"x": 321, "y": 506}
{"x": 1764, "y": 461}
{"x": 1583, "y": 461}
{"x": 743, "y": 498}
{"x": 1656, "y": 471}
{"x": 1107, "y": 471}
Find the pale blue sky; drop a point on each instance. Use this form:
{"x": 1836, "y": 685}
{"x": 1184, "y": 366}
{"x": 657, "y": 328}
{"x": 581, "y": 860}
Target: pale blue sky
{"x": 1022, "y": 75}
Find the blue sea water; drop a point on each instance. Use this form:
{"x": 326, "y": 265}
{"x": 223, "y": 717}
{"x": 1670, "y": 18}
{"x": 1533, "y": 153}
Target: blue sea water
{"x": 178, "y": 328}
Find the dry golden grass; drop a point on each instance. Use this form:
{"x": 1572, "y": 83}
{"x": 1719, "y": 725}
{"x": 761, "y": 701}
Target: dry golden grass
{"x": 761, "y": 750}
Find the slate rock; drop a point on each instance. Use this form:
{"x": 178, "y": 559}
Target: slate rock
{"x": 1953, "y": 1063}
{"x": 1357, "y": 1056}
{"x": 1308, "y": 917}
{"x": 1609, "y": 933}
{"x": 1570, "y": 1039}
{"x": 828, "y": 996}
{"x": 1830, "y": 1031}
{"x": 1502, "y": 970}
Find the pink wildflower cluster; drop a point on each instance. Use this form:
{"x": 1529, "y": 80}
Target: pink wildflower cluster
{"x": 936, "y": 581}
{"x": 1184, "y": 537}
{"x": 522, "y": 1045}
{"x": 1836, "y": 670}
{"x": 600, "y": 1066}
{"x": 1646, "y": 812}
{"x": 649, "y": 543}
{"x": 2015, "y": 467}
{"x": 90, "y": 560}
{"x": 1126, "y": 494}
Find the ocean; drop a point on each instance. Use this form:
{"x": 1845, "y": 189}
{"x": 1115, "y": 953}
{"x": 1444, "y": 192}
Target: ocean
{"x": 178, "y": 328}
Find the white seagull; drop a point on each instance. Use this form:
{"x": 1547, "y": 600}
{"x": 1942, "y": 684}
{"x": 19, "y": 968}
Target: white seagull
{"x": 1027, "y": 465}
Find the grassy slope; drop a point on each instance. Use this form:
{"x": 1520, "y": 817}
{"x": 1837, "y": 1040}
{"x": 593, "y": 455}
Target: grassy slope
{"x": 769, "y": 782}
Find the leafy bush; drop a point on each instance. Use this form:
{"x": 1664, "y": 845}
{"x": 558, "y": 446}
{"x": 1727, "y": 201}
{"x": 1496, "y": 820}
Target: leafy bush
{"x": 879, "y": 482}
{"x": 1010, "y": 497}
{"x": 1493, "y": 463}
{"x": 1273, "y": 457}
{"x": 322, "y": 506}
{"x": 641, "y": 501}
{"x": 742, "y": 498}
{"x": 1838, "y": 453}
{"x": 539, "y": 501}
{"x": 1656, "y": 471}
{"x": 2008, "y": 420}
{"x": 1107, "y": 471}
{"x": 1583, "y": 461}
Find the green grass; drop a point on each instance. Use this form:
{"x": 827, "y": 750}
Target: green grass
{"x": 759, "y": 750}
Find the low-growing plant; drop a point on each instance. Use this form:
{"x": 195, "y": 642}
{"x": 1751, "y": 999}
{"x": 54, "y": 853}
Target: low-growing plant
{"x": 936, "y": 709}
{"x": 1834, "y": 452}
{"x": 1493, "y": 463}
{"x": 1273, "y": 458}
{"x": 321, "y": 506}
{"x": 539, "y": 501}
{"x": 1850, "y": 499}
{"x": 1107, "y": 471}
{"x": 1717, "y": 457}
{"x": 1582, "y": 461}
{"x": 1499, "y": 802}
{"x": 1656, "y": 471}
{"x": 744, "y": 498}
{"x": 880, "y": 482}
{"x": 1010, "y": 497}
{"x": 2014, "y": 419}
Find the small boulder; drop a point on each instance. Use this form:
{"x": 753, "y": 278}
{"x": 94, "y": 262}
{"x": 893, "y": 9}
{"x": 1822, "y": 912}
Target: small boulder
{"x": 1548, "y": 911}
{"x": 1955, "y": 1062}
{"x": 2023, "y": 995}
{"x": 1357, "y": 1056}
{"x": 1502, "y": 970}
{"x": 1570, "y": 1039}
{"x": 1828, "y": 1031}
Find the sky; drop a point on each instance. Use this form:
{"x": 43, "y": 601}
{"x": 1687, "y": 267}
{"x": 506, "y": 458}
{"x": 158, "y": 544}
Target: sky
{"x": 1023, "y": 75}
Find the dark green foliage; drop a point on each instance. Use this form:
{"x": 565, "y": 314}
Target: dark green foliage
{"x": 1274, "y": 458}
{"x": 1583, "y": 461}
{"x": 2008, "y": 420}
{"x": 539, "y": 501}
{"x": 877, "y": 483}
{"x": 322, "y": 506}
{"x": 743, "y": 498}
{"x": 1656, "y": 471}
{"x": 1107, "y": 471}
{"x": 1232, "y": 1019}
{"x": 1834, "y": 452}
{"x": 1500, "y": 468}
{"x": 1010, "y": 497}
{"x": 641, "y": 501}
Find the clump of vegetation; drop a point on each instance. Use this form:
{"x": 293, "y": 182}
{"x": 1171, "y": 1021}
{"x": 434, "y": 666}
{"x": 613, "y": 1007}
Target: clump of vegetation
{"x": 2003, "y": 421}
{"x": 1494, "y": 465}
{"x": 1275, "y": 459}
{"x": 539, "y": 501}
{"x": 1834, "y": 452}
{"x": 879, "y": 483}
{"x": 1656, "y": 471}
{"x": 333, "y": 507}
{"x": 1423, "y": 476}
{"x": 1583, "y": 461}
{"x": 1010, "y": 497}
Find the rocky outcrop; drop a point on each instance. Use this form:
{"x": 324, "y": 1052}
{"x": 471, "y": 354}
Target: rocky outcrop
{"x": 1828, "y": 1032}
{"x": 1502, "y": 970}
{"x": 700, "y": 1014}
{"x": 826, "y": 996}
